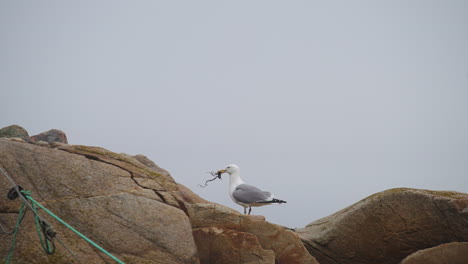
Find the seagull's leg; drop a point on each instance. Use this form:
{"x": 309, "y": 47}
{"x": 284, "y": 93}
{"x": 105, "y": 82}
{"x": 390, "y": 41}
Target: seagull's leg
{"x": 245, "y": 210}
{"x": 250, "y": 209}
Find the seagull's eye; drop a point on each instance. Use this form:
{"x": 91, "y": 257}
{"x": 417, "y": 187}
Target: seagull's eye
{"x": 229, "y": 167}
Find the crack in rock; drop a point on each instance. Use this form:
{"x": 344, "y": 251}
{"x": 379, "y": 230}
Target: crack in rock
{"x": 132, "y": 174}
{"x": 444, "y": 217}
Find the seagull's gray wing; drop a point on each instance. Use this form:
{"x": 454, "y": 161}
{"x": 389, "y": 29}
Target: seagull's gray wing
{"x": 248, "y": 194}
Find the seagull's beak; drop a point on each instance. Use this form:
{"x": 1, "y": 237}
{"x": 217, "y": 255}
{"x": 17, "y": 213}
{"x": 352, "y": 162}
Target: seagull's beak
{"x": 220, "y": 172}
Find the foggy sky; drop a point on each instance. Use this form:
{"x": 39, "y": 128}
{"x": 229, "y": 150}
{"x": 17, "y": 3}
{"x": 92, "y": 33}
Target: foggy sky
{"x": 320, "y": 102}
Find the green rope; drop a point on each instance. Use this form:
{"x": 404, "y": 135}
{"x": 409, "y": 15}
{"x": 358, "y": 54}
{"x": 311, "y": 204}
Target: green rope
{"x": 34, "y": 202}
{"x": 46, "y": 242}
{"x": 21, "y": 214}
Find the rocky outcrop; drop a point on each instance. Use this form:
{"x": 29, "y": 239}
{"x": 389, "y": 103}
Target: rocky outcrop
{"x": 450, "y": 253}
{"x": 224, "y": 246}
{"x": 53, "y": 135}
{"x": 248, "y": 239}
{"x": 13, "y": 131}
{"x": 111, "y": 198}
{"x": 20, "y": 134}
{"x": 386, "y": 227}
{"x": 138, "y": 212}
{"x": 132, "y": 208}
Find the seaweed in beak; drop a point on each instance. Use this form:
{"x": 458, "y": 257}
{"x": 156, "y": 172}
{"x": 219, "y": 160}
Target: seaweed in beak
{"x": 217, "y": 175}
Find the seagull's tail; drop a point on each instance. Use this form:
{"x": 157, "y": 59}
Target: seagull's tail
{"x": 278, "y": 201}
{"x": 274, "y": 200}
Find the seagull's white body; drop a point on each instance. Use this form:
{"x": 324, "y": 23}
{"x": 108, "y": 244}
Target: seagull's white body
{"x": 234, "y": 181}
{"x": 246, "y": 195}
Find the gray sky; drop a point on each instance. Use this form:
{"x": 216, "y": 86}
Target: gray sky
{"x": 322, "y": 103}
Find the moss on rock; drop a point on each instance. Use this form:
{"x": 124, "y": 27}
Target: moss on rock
{"x": 14, "y": 131}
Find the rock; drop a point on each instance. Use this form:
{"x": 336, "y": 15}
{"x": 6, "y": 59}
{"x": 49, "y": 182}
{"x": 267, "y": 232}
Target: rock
{"x": 150, "y": 164}
{"x": 41, "y": 143}
{"x": 138, "y": 212}
{"x": 53, "y": 135}
{"x": 386, "y": 227}
{"x": 132, "y": 208}
{"x": 17, "y": 139}
{"x": 13, "y": 131}
{"x": 188, "y": 196}
{"x": 450, "y": 253}
{"x": 248, "y": 239}
{"x": 224, "y": 246}
{"x": 97, "y": 192}
{"x": 143, "y": 175}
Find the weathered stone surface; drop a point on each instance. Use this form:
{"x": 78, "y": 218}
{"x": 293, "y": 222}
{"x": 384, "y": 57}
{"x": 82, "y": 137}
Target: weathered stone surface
{"x": 450, "y": 253}
{"x": 95, "y": 191}
{"x": 150, "y": 164}
{"x": 140, "y": 173}
{"x": 218, "y": 245}
{"x": 188, "y": 196}
{"x": 210, "y": 219}
{"x": 386, "y": 227}
{"x": 13, "y": 131}
{"x": 53, "y": 135}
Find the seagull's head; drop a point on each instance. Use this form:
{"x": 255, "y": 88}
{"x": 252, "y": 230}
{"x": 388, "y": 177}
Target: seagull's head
{"x": 230, "y": 169}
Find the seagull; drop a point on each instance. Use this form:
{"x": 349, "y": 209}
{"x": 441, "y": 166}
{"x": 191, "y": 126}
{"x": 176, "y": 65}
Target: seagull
{"x": 244, "y": 194}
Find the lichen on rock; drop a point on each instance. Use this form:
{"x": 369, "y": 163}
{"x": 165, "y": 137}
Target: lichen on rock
{"x": 13, "y": 131}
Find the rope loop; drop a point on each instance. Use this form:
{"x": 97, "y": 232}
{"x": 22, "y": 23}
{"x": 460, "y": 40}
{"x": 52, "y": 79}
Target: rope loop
{"x": 44, "y": 230}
